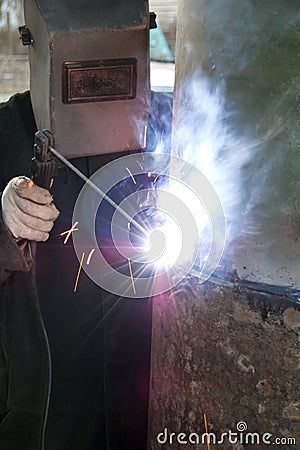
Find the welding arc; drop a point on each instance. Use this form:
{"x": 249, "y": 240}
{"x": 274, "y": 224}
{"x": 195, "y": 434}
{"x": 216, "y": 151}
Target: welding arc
{"x": 98, "y": 190}
{"x": 181, "y": 207}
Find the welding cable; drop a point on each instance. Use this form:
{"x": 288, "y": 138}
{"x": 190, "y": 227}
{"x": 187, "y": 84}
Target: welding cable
{"x": 48, "y": 386}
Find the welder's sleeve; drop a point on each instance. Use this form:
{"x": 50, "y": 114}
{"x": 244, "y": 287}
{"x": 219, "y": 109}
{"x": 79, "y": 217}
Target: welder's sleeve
{"x": 14, "y": 256}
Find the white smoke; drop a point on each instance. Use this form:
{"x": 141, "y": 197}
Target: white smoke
{"x": 237, "y": 111}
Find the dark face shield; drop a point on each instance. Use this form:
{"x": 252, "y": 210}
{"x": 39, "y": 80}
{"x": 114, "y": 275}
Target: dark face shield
{"x": 89, "y": 73}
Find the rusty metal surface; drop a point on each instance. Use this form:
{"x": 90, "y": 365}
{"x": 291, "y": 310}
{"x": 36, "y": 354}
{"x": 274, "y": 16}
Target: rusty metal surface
{"x": 233, "y": 355}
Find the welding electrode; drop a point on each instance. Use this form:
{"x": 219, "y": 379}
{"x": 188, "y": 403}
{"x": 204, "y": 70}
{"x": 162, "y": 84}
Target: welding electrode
{"x": 97, "y": 189}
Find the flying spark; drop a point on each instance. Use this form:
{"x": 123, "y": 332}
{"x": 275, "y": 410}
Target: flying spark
{"x": 130, "y": 173}
{"x": 90, "y": 256}
{"x": 69, "y": 232}
{"x": 30, "y": 184}
{"x": 206, "y": 430}
{"x": 79, "y": 271}
{"x": 138, "y": 162}
{"x": 131, "y": 276}
{"x": 156, "y": 178}
{"x": 145, "y": 136}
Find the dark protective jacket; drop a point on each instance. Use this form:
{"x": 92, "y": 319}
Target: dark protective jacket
{"x": 74, "y": 367}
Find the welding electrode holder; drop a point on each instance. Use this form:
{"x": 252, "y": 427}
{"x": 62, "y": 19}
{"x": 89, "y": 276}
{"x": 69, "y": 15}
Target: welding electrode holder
{"x": 44, "y": 165}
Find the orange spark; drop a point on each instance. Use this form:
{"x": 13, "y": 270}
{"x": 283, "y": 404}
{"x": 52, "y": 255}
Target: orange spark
{"x": 78, "y": 274}
{"x": 69, "y": 232}
{"x": 128, "y": 146}
{"x": 131, "y": 276}
{"x": 30, "y": 184}
{"x": 89, "y": 257}
{"x": 133, "y": 179}
{"x": 206, "y": 430}
{"x": 138, "y": 162}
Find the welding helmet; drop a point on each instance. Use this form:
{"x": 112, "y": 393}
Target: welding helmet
{"x": 89, "y": 72}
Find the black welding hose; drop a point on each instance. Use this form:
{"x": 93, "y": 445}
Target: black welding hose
{"x": 48, "y": 386}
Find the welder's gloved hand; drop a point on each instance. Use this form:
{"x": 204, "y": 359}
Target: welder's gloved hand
{"x": 28, "y": 210}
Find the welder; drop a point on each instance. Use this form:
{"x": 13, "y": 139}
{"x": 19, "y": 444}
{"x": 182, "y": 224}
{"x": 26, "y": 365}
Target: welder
{"x": 74, "y": 366}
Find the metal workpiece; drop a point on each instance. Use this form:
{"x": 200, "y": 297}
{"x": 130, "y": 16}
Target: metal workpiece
{"x": 236, "y": 117}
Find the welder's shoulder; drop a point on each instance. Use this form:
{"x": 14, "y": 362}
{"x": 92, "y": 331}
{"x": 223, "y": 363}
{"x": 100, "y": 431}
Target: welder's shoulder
{"x": 17, "y": 129}
{"x": 16, "y": 111}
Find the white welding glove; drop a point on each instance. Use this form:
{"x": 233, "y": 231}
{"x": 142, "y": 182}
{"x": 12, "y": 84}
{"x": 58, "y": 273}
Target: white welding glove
{"x": 28, "y": 210}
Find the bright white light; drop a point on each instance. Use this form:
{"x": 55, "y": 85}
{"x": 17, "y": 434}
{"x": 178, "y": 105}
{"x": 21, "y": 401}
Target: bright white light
{"x": 173, "y": 244}
{"x": 189, "y": 198}
{"x": 166, "y": 246}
